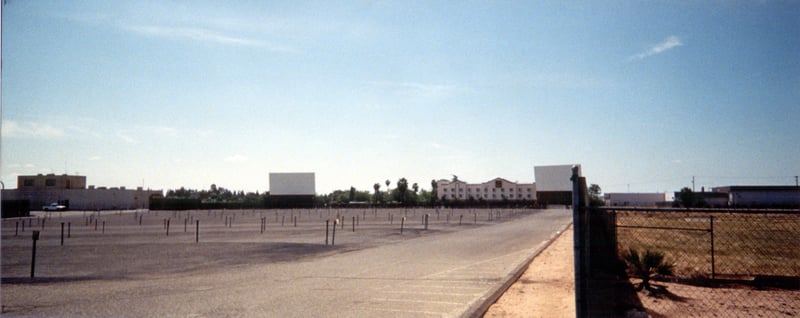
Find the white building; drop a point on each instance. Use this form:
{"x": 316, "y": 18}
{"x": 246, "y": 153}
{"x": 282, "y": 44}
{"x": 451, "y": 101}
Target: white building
{"x": 553, "y": 184}
{"x": 497, "y": 189}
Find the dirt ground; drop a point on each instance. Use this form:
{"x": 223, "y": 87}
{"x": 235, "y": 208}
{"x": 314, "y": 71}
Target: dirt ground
{"x": 546, "y": 289}
{"x": 679, "y": 300}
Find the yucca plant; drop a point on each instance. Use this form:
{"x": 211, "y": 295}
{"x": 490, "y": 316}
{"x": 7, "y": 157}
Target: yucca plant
{"x": 647, "y": 265}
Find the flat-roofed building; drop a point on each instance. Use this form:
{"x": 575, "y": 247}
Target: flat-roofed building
{"x": 658, "y": 199}
{"x": 497, "y": 189}
{"x": 51, "y": 181}
{"x": 72, "y": 192}
{"x": 761, "y": 196}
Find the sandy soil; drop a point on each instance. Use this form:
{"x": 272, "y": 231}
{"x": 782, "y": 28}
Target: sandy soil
{"x": 679, "y": 300}
{"x": 547, "y": 287}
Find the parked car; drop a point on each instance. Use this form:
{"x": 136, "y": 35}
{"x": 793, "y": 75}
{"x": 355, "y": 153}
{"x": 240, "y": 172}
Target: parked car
{"x": 54, "y": 207}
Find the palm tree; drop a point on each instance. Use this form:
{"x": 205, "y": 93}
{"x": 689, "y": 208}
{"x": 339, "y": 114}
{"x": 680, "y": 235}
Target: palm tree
{"x": 434, "y": 191}
{"x": 377, "y": 187}
{"x": 647, "y": 265}
{"x": 402, "y": 186}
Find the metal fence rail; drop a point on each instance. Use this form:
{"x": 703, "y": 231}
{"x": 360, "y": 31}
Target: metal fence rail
{"x": 715, "y": 244}
{"x": 725, "y": 262}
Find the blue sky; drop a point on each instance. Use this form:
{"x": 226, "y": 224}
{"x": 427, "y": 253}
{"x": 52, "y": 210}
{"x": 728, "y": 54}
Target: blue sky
{"x": 643, "y": 94}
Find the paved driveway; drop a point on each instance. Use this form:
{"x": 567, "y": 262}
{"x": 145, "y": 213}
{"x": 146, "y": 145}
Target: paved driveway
{"x": 439, "y": 272}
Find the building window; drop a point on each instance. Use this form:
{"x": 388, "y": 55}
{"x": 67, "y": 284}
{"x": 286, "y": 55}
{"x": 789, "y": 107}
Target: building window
{"x": 498, "y": 184}
{"x": 27, "y": 182}
{"x": 50, "y": 182}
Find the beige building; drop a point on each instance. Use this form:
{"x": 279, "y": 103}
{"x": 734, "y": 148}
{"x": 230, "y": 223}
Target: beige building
{"x": 50, "y": 181}
{"x": 72, "y": 192}
{"x": 497, "y": 189}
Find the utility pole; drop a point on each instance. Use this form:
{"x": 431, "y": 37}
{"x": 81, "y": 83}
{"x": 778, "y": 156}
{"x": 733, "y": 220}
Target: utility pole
{"x": 692, "y": 183}
{"x": 796, "y": 184}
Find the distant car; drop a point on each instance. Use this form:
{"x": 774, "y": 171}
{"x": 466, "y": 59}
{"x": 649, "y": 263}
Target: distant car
{"x": 54, "y": 207}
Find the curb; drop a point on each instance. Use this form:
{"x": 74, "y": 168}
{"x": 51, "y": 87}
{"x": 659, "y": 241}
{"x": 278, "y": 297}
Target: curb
{"x": 480, "y": 309}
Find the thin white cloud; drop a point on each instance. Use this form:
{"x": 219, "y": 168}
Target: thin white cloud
{"x": 669, "y": 43}
{"x": 95, "y": 158}
{"x": 14, "y": 129}
{"x": 203, "y": 35}
{"x": 236, "y": 158}
{"x": 126, "y": 138}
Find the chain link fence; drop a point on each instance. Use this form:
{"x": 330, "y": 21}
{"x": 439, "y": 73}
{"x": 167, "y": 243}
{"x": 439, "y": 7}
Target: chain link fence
{"x": 703, "y": 262}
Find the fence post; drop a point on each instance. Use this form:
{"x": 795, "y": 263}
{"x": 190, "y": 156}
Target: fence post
{"x": 33, "y": 254}
{"x": 333, "y": 235}
{"x": 711, "y": 230}
{"x": 197, "y": 232}
{"x": 578, "y": 227}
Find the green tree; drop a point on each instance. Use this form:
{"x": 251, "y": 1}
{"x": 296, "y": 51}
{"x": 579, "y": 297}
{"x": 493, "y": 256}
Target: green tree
{"x": 595, "y": 197}
{"x": 402, "y": 187}
{"x": 376, "y": 197}
{"x": 689, "y": 199}
{"x": 434, "y": 191}
{"x": 424, "y": 197}
{"x": 352, "y": 194}
{"x": 415, "y": 187}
